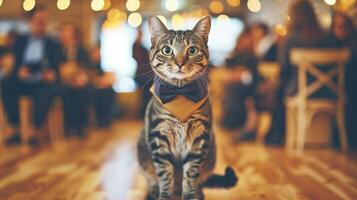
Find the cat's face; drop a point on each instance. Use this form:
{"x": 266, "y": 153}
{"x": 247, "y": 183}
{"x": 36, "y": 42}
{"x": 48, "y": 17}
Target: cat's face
{"x": 179, "y": 57}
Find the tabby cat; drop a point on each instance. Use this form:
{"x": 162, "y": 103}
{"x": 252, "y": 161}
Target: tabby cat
{"x": 177, "y": 153}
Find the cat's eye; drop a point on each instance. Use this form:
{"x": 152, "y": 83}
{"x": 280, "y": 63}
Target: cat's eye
{"x": 192, "y": 51}
{"x": 167, "y": 51}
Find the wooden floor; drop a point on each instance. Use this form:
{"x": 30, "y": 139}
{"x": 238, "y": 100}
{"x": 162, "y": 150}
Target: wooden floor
{"x": 104, "y": 167}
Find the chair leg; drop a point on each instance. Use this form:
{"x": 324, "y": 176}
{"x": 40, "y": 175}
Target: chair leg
{"x": 264, "y": 123}
{"x": 342, "y": 128}
{"x": 56, "y": 125}
{"x": 25, "y": 104}
{"x": 289, "y": 129}
{"x": 301, "y": 129}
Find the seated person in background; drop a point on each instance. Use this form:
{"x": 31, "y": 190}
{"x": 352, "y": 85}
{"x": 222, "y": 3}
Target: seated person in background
{"x": 37, "y": 58}
{"x": 144, "y": 73}
{"x": 265, "y": 46}
{"x": 6, "y": 63}
{"x": 346, "y": 35}
{"x": 75, "y": 80}
{"x": 239, "y": 85}
{"x": 104, "y": 96}
{"x": 303, "y": 31}
{"x": 266, "y": 97}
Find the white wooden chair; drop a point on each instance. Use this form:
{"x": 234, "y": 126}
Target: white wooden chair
{"x": 301, "y": 109}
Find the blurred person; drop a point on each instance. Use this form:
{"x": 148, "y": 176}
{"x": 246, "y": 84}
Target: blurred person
{"x": 239, "y": 85}
{"x": 11, "y": 38}
{"x": 104, "y": 96}
{"x": 6, "y": 63}
{"x": 303, "y": 31}
{"x": 267, "y": 91}
{"x": 265, "y": 46}
{"x": 345, "y": 33}
{"x": 37, "y": 58}
{"x": 75, "y": 80}
{"x": 144, "y": 73}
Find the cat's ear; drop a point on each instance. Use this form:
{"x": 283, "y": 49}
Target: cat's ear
{"x": 203, "y": 27}
{"x": 156, "y": 28}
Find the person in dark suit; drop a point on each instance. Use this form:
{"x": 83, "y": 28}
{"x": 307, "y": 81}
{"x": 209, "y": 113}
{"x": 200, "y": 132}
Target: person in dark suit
{"x": 144, "y": 73}
{"x": 76, "y": 90}
{"x": 35, "y": 74}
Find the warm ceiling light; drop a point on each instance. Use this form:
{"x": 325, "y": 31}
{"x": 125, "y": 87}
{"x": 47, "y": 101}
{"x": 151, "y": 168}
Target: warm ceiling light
{"x": 29, "y": 5}
{"x": 223, "y": 18}
{"x": 216, "y": 7}
{"x": 135, "y": 19}
{"x": 116, "y": 15}
{"x": 107, "y": 4}
{"x": 172, "y": 5}
{"x": 233, "y": 3}
{"x": 132, "y": 5}
{"x": 177, "y": 22}
{"x": 0, "y": 2}
{"x": 163, "y": 19}
{"x": 254, "y": 5}
{"x": 63, "y": 4}
{"x": 97, "y": 5}
{"x": 330, "y": 2}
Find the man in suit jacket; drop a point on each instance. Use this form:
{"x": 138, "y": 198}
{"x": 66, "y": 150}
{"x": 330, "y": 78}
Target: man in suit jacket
{"x": 37, "y": 58}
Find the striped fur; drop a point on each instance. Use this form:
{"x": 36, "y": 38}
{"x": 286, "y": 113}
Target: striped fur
{"x": 177, "y": 157}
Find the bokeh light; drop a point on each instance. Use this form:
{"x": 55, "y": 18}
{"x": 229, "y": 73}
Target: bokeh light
{"x": 177, "y": 21}
{"x": 29, "y": 5}
{"x": 163, "y": 19}
{"x": 216, "y": 7}
{"x": 97, "y": 5}
{"x": 254, "y": 5}
{"x": 0, "y": 2}
{"x": 135, "y": 19}
{"x": 107, "y": 4}
{"x": 63, "y": 4}
{"x": 132, "y": 5}
{"x": 280, "y": 29}
{"x": 330, "y": 2}
{"x": 223, "y": 18}
{"x": 172, "y": 5}
{"x": 233, "y": 3}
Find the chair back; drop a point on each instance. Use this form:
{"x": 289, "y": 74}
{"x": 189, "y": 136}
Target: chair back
{"x": 311, "y": 62}
{"x": 269, "y": 70}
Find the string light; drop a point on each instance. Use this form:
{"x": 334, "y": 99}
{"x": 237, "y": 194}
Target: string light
{"x": 171, "y": 5}
{"x": 330, "y": 2}
{"x": 254, "y": 5}
{"x": 177, "y": 21}
{"x": 132, "y": 5}
{"x": 233, "y": 3}
{"x": 223, "y": 18}
{"x": 29, "y": 5}
{"x": 135, "y": 19}
{"x": 97, "y": 5}
{"x": 63, "y": 4}
{"x": 216, "y": 7}
{"x": 163, "y": 19}
{"x": 0, "y": 2}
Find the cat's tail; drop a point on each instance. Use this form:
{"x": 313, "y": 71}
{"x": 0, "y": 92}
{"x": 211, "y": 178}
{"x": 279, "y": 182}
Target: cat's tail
{"x": 228, "y": 180}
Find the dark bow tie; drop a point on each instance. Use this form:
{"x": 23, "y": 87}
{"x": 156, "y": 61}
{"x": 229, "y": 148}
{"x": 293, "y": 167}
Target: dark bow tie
{"x": 167, "y": 92}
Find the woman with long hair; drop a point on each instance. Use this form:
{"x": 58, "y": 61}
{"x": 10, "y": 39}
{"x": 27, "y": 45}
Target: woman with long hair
{"x": 304, "y": 31}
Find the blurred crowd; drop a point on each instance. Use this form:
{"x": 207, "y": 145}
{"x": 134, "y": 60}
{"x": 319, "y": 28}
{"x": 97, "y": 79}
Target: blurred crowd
{"x": 43, "y": 68}
{"x": 251, "y": 98}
